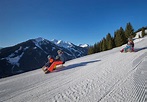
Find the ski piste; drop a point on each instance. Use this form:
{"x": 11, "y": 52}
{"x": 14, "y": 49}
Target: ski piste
{"x": 109, "y": 76}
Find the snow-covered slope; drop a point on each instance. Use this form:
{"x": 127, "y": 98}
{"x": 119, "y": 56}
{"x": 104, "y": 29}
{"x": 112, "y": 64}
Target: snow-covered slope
{"x": 108, "y": 76}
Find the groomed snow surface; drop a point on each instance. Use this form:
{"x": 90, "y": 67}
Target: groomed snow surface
{"x": 108, "y": 76}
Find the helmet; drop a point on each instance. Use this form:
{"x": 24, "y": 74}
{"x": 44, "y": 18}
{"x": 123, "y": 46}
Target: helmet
{"x": 129, "y": 39}
{"x": 49, "y": 56}
{"x": 59, "y": 51}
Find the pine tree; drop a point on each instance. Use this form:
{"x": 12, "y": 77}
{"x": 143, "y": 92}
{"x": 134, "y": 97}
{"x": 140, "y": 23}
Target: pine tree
{"x": 129, "y": 31}
{"x": 109, "y": 41}
{"x": 104, "y": 45}
{"x": 113, "y": 43}
{"x": 116, "y": 38}
{"x": 100, "y": 46}
{"x": 119, "y": 37}
{"x": 143, "y": 31}
{"x": 95, "y": 48}
{"x": 91, "y": 50}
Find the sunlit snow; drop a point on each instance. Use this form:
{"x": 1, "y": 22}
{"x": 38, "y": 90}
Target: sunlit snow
{"x": 108, "y": 76}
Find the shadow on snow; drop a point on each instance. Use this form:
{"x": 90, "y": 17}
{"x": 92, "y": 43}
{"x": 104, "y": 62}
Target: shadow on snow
{"x": 76, "y": 65}
{"x": 139, "y": 49}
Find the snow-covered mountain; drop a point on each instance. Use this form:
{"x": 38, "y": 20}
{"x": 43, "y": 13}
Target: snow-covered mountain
{"x": 84, "y": 45}
{"x": 108, "y": 76}
{"x": 67, "y": 44}
{"x": 71, "y": 47}
{"x": 33, "y": 53}
{"x": 63, "y": 43}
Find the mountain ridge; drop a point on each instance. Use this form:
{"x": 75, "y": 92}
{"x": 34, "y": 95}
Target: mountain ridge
{"x": 32, "y": 54}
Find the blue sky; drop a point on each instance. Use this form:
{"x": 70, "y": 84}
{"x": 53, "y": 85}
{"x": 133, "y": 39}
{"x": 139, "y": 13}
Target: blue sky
{"x": 77, "y": 21}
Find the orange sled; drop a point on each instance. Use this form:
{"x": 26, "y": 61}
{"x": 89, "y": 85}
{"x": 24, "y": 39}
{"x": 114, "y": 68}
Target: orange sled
{"x": 52, "y": 67}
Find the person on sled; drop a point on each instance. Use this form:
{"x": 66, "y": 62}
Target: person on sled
{"x": 52, "y": 63}
{"x": 129, "y": 47}
{"x": 60, "y": 56}
{"x": 48, "y": 64}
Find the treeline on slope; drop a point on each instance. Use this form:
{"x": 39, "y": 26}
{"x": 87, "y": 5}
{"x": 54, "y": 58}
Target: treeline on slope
{"x": 120, "y": 38}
